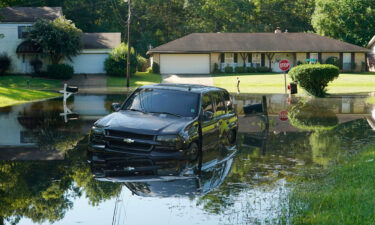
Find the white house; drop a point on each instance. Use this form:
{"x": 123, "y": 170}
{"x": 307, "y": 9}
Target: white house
{"x": 13, "y": 24}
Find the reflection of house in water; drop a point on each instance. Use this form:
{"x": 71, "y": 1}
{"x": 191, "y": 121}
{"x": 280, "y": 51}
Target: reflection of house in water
{"x": 27, "y": 130}
{"x": 345, "y": 108}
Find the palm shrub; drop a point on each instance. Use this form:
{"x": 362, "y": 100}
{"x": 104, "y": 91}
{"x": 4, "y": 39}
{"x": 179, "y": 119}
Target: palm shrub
{"x": 333, "y": 61}
{"x": 314, "y": 78}
{"x": 216, "y": 68}
{"x": 5, "y": 63}
{"x": 116, "y": 63}
{"x": 142, "y": 63}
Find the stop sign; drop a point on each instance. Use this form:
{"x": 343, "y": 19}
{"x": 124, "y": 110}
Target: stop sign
{"x": 283, "y": 115}
{"x": 284, "y": 65}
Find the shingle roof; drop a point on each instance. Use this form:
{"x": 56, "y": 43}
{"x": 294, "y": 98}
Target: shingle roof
{"x": 29, "y": 14}
{"x": 101, "y": 40}
{"x": 255, "y": 42}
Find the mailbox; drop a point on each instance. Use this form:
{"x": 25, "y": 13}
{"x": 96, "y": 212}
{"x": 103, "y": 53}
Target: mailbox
{"x": 71, "y": 89}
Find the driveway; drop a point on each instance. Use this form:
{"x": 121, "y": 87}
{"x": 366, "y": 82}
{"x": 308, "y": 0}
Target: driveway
{"x": 204, "y": 79}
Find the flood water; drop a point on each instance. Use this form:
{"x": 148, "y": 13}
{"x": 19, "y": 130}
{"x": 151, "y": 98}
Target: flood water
{"x": 46, "y": 176}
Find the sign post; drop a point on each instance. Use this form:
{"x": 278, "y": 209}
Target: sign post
{"x": 284, "y": 66}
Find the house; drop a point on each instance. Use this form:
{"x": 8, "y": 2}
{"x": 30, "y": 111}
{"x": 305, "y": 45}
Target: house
{"x": 371, "y": 55}
{"x": 197, "y": 53}
{"x": 13, "y": 30}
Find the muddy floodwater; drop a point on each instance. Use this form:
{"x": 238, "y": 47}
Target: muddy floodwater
{"x": 47, "y": 177}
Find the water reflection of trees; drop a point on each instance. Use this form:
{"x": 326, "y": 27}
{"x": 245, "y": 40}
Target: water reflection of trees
{"x": 43, "y": 190}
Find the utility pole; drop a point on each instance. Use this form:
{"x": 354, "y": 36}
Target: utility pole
{"x": 129, "y": 47}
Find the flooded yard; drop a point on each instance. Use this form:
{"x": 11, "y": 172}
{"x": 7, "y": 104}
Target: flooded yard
{"x": 47, "y": 176}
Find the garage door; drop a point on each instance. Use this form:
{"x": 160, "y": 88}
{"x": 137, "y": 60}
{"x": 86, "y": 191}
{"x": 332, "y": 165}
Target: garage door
{"x": 184, "y": 63}
{"x": 89, "y": 63}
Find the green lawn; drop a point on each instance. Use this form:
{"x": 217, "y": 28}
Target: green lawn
{"x": 15, "y": 89}
{"x": 344, "y": 194}
{"x": 12, "y": 96}
{"x": 274, "y": 83}
{"x": 138, "y": 79}
{"x": 15, "y": 81}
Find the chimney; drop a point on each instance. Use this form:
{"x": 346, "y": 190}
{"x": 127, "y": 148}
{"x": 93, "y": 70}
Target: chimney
{"x": 278, "y": 30}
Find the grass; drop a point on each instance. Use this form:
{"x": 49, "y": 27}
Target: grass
{"x": 19, "y": 81}
{"x": 343, "y": 194}
{"x": 138, "y": 79}
{"x": 274, "y": 83}
{"x": 17, "y": 89}
{"x": 12, "y": 96}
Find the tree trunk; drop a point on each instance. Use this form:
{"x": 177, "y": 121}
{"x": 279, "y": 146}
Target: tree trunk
{"x": 244, "y": 57}
{"x": 270, "y": 57}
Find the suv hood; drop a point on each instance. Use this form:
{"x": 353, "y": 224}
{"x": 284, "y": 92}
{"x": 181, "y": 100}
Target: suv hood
{"x": 145, "y": 123}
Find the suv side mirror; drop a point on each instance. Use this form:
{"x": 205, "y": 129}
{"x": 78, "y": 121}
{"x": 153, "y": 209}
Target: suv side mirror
{"x": 208, "y": 115}
{"x": 116, "y": 106}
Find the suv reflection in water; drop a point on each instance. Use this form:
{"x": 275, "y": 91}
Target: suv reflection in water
{"x": 166, "y": 177}
{"x": 167, "y": 120}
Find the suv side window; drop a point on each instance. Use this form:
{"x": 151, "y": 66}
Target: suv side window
{"x": 228, "y": 102}
{"x": 220, "y": 108}
{"x": 207, "y": 104}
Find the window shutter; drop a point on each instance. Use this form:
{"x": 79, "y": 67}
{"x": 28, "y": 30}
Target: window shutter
{"x": 222, "y": 58}
{"x": 263, "y": 59}
{"x": 249, "y": 57}
{"x": 235, "y": 57}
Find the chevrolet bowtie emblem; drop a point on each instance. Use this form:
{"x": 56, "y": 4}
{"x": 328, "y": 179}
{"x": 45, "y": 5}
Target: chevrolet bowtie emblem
{"x": 128, "y": 140}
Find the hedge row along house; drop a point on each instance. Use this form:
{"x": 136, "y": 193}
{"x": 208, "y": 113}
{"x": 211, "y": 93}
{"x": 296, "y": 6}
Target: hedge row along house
{"x": 198, "y": 53}
{"x": 14, "y": 22}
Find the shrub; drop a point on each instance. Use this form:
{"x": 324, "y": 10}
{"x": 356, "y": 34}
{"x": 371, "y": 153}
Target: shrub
{"x": 142, "y": 63}
{"x": 5, "y": 63}
{"x": 240, "y": 69}
{"x": 228, "y": 69}
{"x": 353, "y": 66}
{"x": 116, "y": 63}
{"x": 155, "y": 68}
{"x": 299, "y": 63}
{"x": 251, "y": 70}
{"x": 37, "y": 65}
{"x": 333, "y": 61}
{"x": 149, "y": 70}
{"x": 263, "y": 69}
{"x": 216, "y": 68}
{"x": 60, "y": 71}
{"x": 314, "y": 78}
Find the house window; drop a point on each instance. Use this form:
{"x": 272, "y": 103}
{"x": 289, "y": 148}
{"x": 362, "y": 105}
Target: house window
{"x": 314, "y": 57}
{"x": 229, "y": 57}
{"x": 235, "y": 58}
{"x": 23, "y": 32}
{"x": 249, "y": 58}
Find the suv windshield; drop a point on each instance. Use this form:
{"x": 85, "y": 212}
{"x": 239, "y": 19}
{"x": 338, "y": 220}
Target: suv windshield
{"x": 179, "y": 103}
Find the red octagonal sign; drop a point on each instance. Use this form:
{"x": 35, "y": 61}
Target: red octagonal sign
{"x": 283, "y": 115}
{"x": 284, "y": 65}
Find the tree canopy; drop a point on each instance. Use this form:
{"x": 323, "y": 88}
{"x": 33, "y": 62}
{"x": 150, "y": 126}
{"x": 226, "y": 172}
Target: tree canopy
{"x": 59, "y": 38}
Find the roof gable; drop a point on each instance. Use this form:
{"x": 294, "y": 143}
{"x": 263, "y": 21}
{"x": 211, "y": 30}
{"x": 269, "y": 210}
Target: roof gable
{"x": 101, "y": 40}
{"x": 29, "y": 14}
{"x": 256, "y": 42}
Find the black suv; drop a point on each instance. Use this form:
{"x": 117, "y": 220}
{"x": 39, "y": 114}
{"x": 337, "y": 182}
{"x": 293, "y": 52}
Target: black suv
{"x": 167, "y": 120}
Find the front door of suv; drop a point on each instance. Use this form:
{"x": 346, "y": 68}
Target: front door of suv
{"x": 210, "y": 129}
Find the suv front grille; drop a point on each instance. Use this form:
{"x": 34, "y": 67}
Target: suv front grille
{"x": 116, "y": 141}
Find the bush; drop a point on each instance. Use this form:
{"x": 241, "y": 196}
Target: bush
{"x": 251, "y": 70}
{"x": 149, "y": 70}
{"x": 155, "y": 68}
{"x": 37, "y": 65}
{"x": 314, "y": 78}
{"x": 142, "y": 63}
{"x": 216, "y": 68}
{"x": 240, "y": 69}
{"x": 333, "y": 61}
{"x": 228, "y": 69}
{"x": 116, "y": 63}
{"x": 5, "y": 63}
{"x": 60, "y": 71}
{"x": 263, "y": 69}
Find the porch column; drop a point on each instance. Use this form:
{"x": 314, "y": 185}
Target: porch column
{"x": 262, "y": 59}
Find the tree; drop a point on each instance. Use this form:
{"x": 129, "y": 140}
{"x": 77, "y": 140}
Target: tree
{"x": 59, "y": 38}
{"x": 347, "y": 20}
{"x": 116, "y": 62}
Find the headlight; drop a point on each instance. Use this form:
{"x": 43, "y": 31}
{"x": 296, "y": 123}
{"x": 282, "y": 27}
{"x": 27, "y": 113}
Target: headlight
{"x": 170, "y": 140}
{"x": 97, "y": 130}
